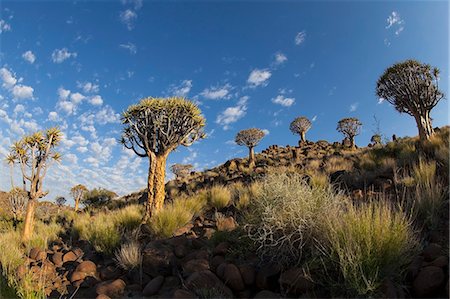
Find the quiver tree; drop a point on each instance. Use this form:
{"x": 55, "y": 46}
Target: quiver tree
{"x": 35, "y": 154}
{"x": 249, "y": 138}
{"x": 300, "y": 126}
{"x": 181, "y": 170}
{"x": 412, "y": 88}
{"x": 153, "y": 128}
{"x": 60, "y": 201}
{"x": 350, "y": 127}
{"x": 78, "y": 192}
{"x": 17, "y": 199}
{"x": 376, "y": 139}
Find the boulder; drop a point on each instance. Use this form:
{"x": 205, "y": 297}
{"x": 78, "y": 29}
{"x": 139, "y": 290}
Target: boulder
{"x": 232, "y": 277}
{"x": 180, "y": 251}
{"x": 267, "y": 277}
{"x": 153, "y": 286}
{"x": 110, "y": 273}
{"x": 414, "y": 268}
{"x": 87, "y": 267}
{"x": 428, "y": 282}
{"x": 432, "y": 252}
{"x": 37, "y": 254}
{"x": 226, "y": 224}
{"x": 248, "y": 274}
{"x": 57, "y": 259}
{"x": 195, "y": 265}
{"x": 157, "y": 259}
{"x": 76, "y": 276}
{"x": 267, "y": 294}
{"x": 293, "y": 281}
{"x": 69, "y": 256}
{"x": 111, "y": 288}
{"x": 440, "y": 262}
{"x": 182, "y": 294}
{"x": 216, "y": 261}
{"x": 207, "y": 280}
{"x": 221, "y": 248}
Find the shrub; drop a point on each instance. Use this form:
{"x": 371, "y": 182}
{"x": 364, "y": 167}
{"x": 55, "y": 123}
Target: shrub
{"x": 337, "y": 163}
{"x": 285, "y": 215}
{"x": 129, "y": 256}
{"x": 219, "y": 196}
{"x": 367, "y": 243}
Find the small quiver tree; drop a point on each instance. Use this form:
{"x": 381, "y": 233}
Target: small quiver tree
{"x": 35, "y": 154}
{"x": 300, "y": 126}
{"x": 349, "y": 127}
{"x": 412, "y": 88}
{"x": 376, "y": 139}
{"x": 78, "y": 193}
{"x": 17, "y": 199}
{"x": 250, "y": 138}
{"x": 153, "y": 128}
{"x": 181, "y": 170}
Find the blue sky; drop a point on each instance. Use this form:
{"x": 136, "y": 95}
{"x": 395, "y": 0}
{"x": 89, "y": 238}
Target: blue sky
{"x": 79, "y": 64}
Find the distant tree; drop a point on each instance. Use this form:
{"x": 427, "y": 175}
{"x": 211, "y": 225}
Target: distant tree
{"x": 376, "y": 139}
{"x": 300, "y": 126}
{"x": 17, "y": 199}
{"x": 10, "y": 159}
{"x": 350, "y": 127}
{"x": 181, "y": 170}
{"x": 98, "y": 197}
{"x": 249, "y": 138}
{"x": 78, "y": 192}
{"x": 153, "y": 128}
{"x": 35, "y": 154}
{"x": 413, "y": 88}
{"x": 60, "y": 201}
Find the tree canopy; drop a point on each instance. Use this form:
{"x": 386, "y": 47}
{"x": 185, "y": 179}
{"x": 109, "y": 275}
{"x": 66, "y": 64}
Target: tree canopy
{"x": 249, "y": 137}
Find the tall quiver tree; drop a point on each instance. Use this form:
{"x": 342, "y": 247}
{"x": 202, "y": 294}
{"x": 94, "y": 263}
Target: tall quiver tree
{"x": 153, "y": 128}
{"x": 350, "y": 127}
{"x": 78, "y": 192}
{"x": 412, "y": 88}
{"x": 300, "y": 126}
{"x": 35, "y": 154}
{"x": 250, "y": 138}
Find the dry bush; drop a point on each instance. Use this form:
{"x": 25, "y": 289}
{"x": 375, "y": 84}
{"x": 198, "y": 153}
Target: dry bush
{"x": 219, "y": 196}
{"x": 129, "y": 256}
{"x": 337, "y": 163}
{"x": 284, "y": 217}
{"x": 366, "y": 244}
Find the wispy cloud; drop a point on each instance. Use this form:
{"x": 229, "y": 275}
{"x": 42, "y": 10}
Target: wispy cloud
{"x": 300, "y": 38}
{"x": 29, "y": 57}
{"x": 280, "y": 58}
{"x": 283, "y": 101}
{"x": 353, "y": 107}
{"x": 130, "y": 47}
{"x": 217, "y": 92}
{"x": 4, "y": 26}
{"x": 60, "y": 55}
{"x": 259, "y": 77}
{"x": 395, "y": 22}
{"x": 232, "y": 114}
{"x": 182, "y": 89}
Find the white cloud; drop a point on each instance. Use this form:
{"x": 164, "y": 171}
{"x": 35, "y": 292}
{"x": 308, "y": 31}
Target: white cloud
{"x": 96, "y": 100}
{"x": 394, "y": 21}
{"x": 380, "y": 101}
{"x": 29, "y": 56}
{"x": 88, "y": 87}
{"x": 66, "y": 106}
{"x": 63, "y": 93}
{"x": 280, "y": 58}
{"x": 53, "y": 116}
{"x": 59, "y": 55}
{"x": 266, "y": 132}
{"x": 77, "y": 97}
{"x": 71, "y": 158}
{"x": 9, "y": 80}
{"x": 4, "y": 26}
{"x": 181, "y": 90}
{"x": 217, "y": 92}
{"x": 128, "y": 17}
{"x": 300, "y": 38}
{"x": 19, "y": 108}
{"x": 283, "y": 101}
{"x": 259, "y": 77}
{"x": 93, "y": 161}
{"x": 353, "y": 107}
{"x": 130, "y": 47}
{"x": 22, "y": 92}
{"x": 314, "y": 118}
{"x": 232, "y": 114}
{"x": 107, "y": 115}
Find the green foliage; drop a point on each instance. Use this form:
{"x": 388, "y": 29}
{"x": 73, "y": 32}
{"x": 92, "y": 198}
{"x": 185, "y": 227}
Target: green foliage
{"x": 366, "y": 244}
{"x": 98, "y": 197}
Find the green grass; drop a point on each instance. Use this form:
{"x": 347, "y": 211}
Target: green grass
{"x": 366, "y": 244}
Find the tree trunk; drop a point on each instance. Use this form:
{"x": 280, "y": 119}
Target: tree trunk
{"x": 352, "y": 142}
{"x": 29, "y": 220}
{"x": 251, "y": 156}
{"x": 424, "y": 125}
{"x": 159, "y": 186}
{"x": 302, "y": 137}
{"x": 11, "y": 173}
{"x": 150, "y": 186}
{"x": 77, "y": 201}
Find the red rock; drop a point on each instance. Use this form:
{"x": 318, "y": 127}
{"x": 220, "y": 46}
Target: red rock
{"x": 232, "y": 277}
{"x": 102, "y": 296}
{"x": 153, "y": 286}
{"x": 157, "y": 259}
{"x": 440, "y": 262}
{"x": 248, "y": 274}
{"x": 37, "y": 254}
{"x": 428, "y": 282}
{"x": 180, "y": 251}
{"x": 76, "y": 276}
{"x": 207, "y": 280}
{"x": 57, "y": 259}
{"x": 431, "y": 252}
{"x": 110, "y": 272}
{"x": 267, "y": 277}
{"x": 111, "y": 288}
{"x": 181, "y": 294}
{"x": 195, "y": 266}
{"x": 414, "y": 268}
{"x": 216, "y": 261}
{"x": 87, "y": 267}
{"x": 293, "y": 281}
{"x": 183, "y": 230}
{"x": 222, "y": 248}
{"x": 69, "y": 256}
{"x": 221, "y": 270}
{"x": 226, "y": 224}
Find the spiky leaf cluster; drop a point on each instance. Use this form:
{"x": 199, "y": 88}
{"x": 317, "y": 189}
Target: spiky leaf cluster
{"x": 78, "y": 191}
{"x": 249, "y": 137}
{"x": 159, "y": 125}
{"x": 410, "y": 86}
{"x": 350, "y": 126}
{"x": 300, "y": 125}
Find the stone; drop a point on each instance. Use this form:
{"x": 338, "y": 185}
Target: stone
{"x": 102, "y": 296}
{"x": 293, "y": 281}
{"x": 21, "y": 271}
{"x": 69, "y": 256}
{"x": 428, "y": 282}
{"x": 153, "y": 286}
{"x": 267, "y": 294}
{"x": 431, "y": 252}
{"x": 183, "y": 230}
{"x": 232, "y": 277}
{"x": 216, "y": 261}
{"x": 111, "y": 288}
{"x": 171, "y": 283}
{"x": 180, "y": 251}
{"x": 157, "y": 259}
{"x": 440, "y": 262}
{"x": 414, "y": 268}
{"x": 87, "y": 267}
{"x": 221, "y": 248}
{"x": 208, "y": 232}
{"x": 181, "y": 294}
{"x": 220, "y": 271}
{"x": 37, "y": 254}
{"x": 110, "y": 272}
{"x": 226, "y": 224}
{"x": 195, "y": 265}
{"x": 248, "y": 274}
{"x": 57, "y": 259}
{"x": 388, "y": 289}
{"x": 207, "y": 280}
{"x": 76, "y": 276}
{"x": 267, "y": 277}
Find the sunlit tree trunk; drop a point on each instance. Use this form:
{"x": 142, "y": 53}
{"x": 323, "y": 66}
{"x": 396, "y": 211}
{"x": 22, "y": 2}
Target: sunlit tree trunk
{"x": 251, "y": 155}
{"x": 160, "y": 175}
{"x": 77, "y": 202}
{"x": 150, "y": 187}
{"x": 352, "y": 142}
{"x": 29, "y": 219}
{"x": 424, "y": 125}
{"x": 302, "y": 136}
